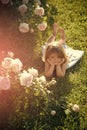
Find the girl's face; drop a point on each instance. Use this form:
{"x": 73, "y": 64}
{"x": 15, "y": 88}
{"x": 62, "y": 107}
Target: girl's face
{"x": 53, "y": 57}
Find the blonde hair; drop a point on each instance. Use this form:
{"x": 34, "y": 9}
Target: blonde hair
{"x": 58, "y": 49}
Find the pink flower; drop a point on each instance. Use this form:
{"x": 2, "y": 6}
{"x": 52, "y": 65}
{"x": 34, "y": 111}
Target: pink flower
{"x": 25, "y": 1}
{"x": 7, "y": 63}
{"x": 39, "y": 11}
{"x": 75, "y": 108}
{"x": 23, "y": 27}
{"x": 4, "y": 1}
{"x": 22, "y": 8}
{"x": 42, "y": 26}
{"x": 26, "y": 79}
{"x": 33, "y": 71}
{"x": 17, "y": 65}
{"x": 4, "y": 83}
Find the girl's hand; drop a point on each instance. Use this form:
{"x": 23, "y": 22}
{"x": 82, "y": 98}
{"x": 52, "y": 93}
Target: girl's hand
{"x": 61, "y": 62}
{"x": 50, "y": 62}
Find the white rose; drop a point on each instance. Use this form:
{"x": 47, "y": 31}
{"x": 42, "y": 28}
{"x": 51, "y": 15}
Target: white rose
{"x": 22, "y": 8}
{"x": 75, "y": 108}
{"x": 4, "y": 1}
{"x": 23, "y": 27}
{"x": 53, "y": 112}
{"x": 26, "y": 79}
{"x": 7, "y": 63}
{"x": 25, "y": 1}
{"x": 4, "y": 83}
{"x": 16, "y": 65}
{"x": 42, "y": 26}
{"x": 39, "y": 11}
{"x": 42, "y": 79}
{"x": 33, "y": 71}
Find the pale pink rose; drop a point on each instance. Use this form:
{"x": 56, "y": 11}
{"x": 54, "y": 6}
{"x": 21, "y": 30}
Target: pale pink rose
{"x": 25, "y": 1}
{"x": 39, "y": 11}
{"x": 42, "y": 26}
{"x": 33, "y": 71}
{"x": 4, "y": 1}
{"x": 4, "y": 83}
{"x": 53, "y": 112}
{"x": 75, "y": 108}
{"x": 22, "y": 8}
{"x": 23, "y": 27}
{"x": 26, "y": 79}
{"x": 17, "y": 65}
{"x": 7, "y": 63}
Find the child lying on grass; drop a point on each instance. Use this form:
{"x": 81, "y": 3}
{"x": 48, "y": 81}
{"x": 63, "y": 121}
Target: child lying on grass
{"x": 57, "y": 55}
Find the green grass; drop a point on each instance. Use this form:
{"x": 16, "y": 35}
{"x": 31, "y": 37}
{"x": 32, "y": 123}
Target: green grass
{"x": 72, "y": 16}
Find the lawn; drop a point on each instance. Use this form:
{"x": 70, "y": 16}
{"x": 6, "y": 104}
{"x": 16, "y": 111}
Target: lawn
{"x": 36, "y": 109}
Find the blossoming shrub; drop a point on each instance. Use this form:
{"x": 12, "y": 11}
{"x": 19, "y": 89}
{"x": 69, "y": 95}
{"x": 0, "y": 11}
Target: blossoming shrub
{"x": 27, "y": 100}
{"x": 35, "y": 16}
{"x": 29, "y": 95}
{"x": 34, "y": 10}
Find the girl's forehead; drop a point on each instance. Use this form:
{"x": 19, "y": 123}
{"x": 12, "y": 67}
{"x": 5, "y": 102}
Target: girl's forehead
{"x": 53, "y": 54}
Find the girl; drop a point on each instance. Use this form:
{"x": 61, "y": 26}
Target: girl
{"x": 57, "y": 55}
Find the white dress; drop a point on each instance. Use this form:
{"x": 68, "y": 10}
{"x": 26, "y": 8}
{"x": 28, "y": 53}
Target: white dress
{"x": 73, "y": 55}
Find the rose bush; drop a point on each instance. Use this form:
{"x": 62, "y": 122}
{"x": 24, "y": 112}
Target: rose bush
{"x": 33, "y": 13}
{"x": 30, "y": 95}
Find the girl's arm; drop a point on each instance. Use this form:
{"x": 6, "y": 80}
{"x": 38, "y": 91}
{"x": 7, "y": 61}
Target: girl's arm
{"x": 49, "y": 68}
{"x": 61, "y": 69}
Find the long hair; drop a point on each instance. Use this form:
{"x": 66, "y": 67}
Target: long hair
{"x": 58, "y": 49}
